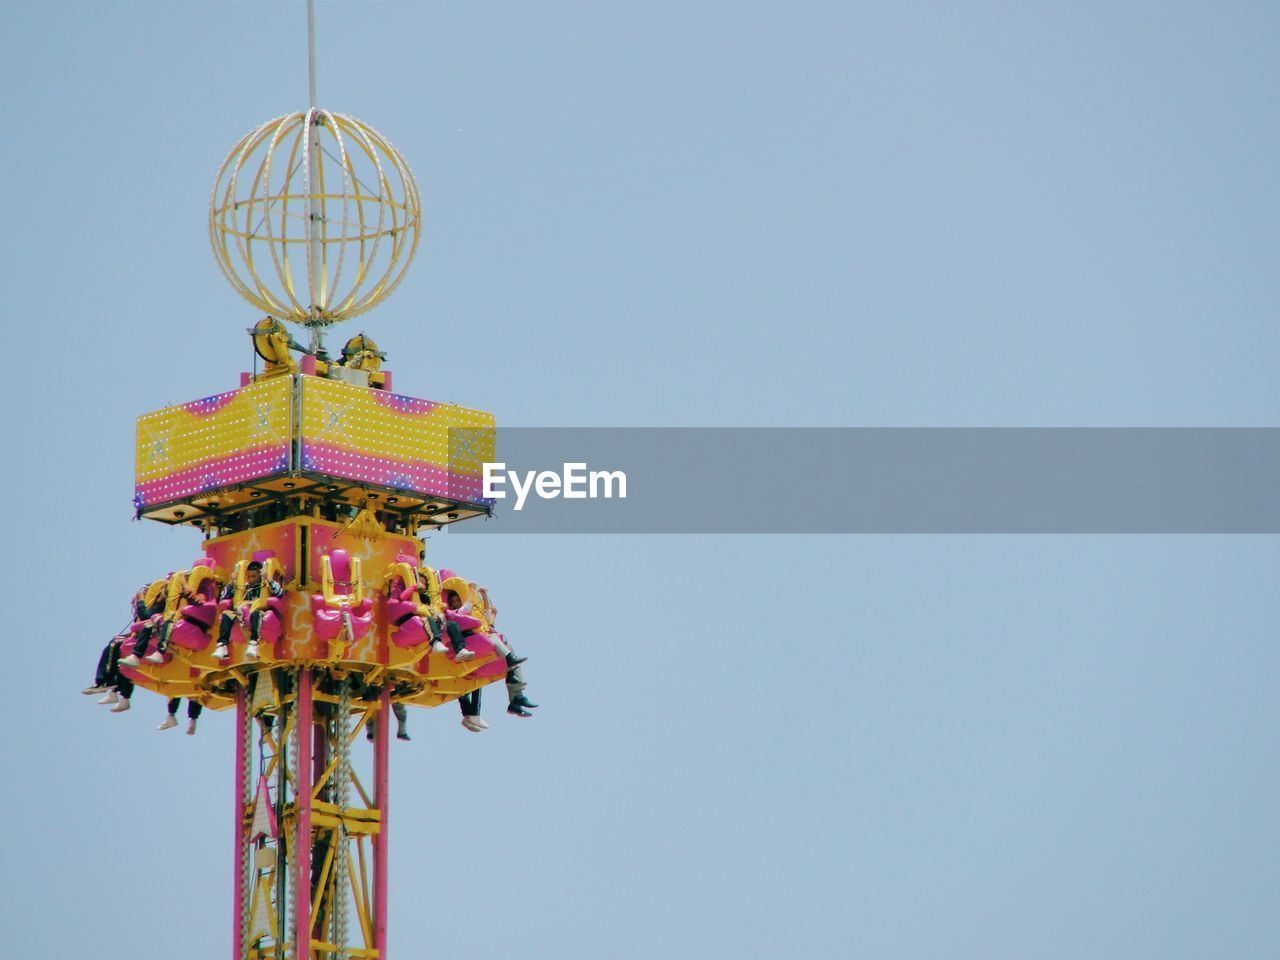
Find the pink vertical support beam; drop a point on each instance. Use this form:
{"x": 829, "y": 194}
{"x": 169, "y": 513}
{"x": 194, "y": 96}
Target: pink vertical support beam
{"x": 237, "y": 900}
{"x": 302, "y": 839}
{"x": 380, "y": 797}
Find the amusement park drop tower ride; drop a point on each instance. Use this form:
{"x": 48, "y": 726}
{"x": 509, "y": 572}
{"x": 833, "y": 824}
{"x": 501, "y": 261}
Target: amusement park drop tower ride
{"x": 314, "y": 469}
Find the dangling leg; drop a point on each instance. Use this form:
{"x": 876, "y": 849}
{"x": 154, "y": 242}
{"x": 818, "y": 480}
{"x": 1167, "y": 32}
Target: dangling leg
{"x": 468, "y": 713}
{"x": 371, "y": 725}
{"x": 99, "y": 684}
{"x": 194, "y": 709}
{"x": 460, "y": 651}
{"x": 112, "y": 675}
{"x": 225, "y": 622}
{"x": 255, "y": 624}
{"x": 172, "y": 719}
{"x": 162, "y": 644}
{"x": 140, "y": 646}
{"x": 124, "y": 690}
{"x": 433, "y": 628}
{"x": 475, "y": 711}
{"x": 505, "y": 651}
{"x": 517, "y": 703}
{"x": 402, "y": 721}
{"x": 124, "y": 686}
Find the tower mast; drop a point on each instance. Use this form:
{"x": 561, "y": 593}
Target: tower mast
{"x": 317, "y": 267}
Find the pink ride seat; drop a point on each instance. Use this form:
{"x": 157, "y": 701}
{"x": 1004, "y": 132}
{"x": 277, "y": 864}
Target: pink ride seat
{"x": 407, "y": 628}
{"x": 482, "y": 648}
{"x": 410, "y": 633}
{"x": 192, "y": 631}
{"x": 342, "y": 599}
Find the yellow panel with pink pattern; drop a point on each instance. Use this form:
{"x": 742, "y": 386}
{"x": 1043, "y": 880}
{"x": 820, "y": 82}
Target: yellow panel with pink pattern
{"x": 390, "y": 440}
{"x": 215, "y": 442}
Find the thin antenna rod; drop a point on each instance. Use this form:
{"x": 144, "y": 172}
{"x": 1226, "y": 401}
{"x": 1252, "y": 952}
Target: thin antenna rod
{"x": 311, "y": 48}
{"x": 315, "y": 205}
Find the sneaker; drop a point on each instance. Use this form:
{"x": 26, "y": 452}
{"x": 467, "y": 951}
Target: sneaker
{"x": 438, "y": 647}
{"x": 157, "y": 657}
{"x": 518, "y": 711}
{"x": 191, "y": 728}
{"x": 480, "y": 723}
{"x": 464, "y": 654}
{"x": 121, "y": 707}
{"x": 113, "y": 696}
{"x": 96, "y": 688}
{"x": 130, "y": 661}
{"x": 169, "y": 723}
{"x": 251, "y": 651}
{"x": 469, "y": 723}
{"x": 403, "y": 734}
{"x": 523, "y": 701}
{"x": 513, "y": 661}
{"x": 220, "y": 652}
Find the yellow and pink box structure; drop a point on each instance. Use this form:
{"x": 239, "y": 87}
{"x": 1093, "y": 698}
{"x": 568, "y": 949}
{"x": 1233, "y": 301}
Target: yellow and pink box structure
{"x": 417, "y": 460}
{"x": 325, "y": 479}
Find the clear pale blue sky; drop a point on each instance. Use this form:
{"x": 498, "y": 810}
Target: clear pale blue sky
{"x": 712, "y": 214}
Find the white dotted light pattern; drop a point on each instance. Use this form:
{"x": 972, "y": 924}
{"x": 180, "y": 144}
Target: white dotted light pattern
{"x": 372, "y": 436}
{"x": 314, "y": 217}
{"x": 214, "y": 442}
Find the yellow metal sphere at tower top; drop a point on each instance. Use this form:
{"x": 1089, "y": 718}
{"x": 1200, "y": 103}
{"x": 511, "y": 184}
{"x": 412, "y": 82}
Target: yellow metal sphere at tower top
{"x": 315, "y": 217}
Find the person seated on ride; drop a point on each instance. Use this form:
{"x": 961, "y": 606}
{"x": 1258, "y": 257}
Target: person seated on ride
{"x": 435, "y": 613}
{"x": 150, "y": 616}
{"x": 455, "y": 598}
{"x": 175, "y": 596}
{"x": 483, "y": 610}
{"x": 194, "y": 709}
{"x": 108, "y": 679}
{"x": 459, "y": 610}
{"x": 252, "y": 605}
{"x": 412, "y": 607}
{"x": 518, "y": 705}
{"x": 193, "y": 614}
{"x": 103, "y": 676}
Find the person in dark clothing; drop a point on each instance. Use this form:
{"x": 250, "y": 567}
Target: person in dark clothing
{"x": 108, "y": 680}
{"x": 251, "y": 606}
{"x": 431, "y": 609}
{"x": 470, "y": 704}
{"x": 194, "y": 709}
{"x": 184, "y": 589}
{"x": 106, "y": 665}
{"x": 455, "y": 604}
{"x": 402, "y": 723}
{"x": 370, "y": 693}
{"x": 108, "y": 670}
{"x": 151, "y": 613}
{"x": 479, "y": 609}
{"x": 518, "y": 705}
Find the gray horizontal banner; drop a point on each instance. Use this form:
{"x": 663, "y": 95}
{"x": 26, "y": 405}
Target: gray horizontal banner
{"x": 820, "y": 480}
